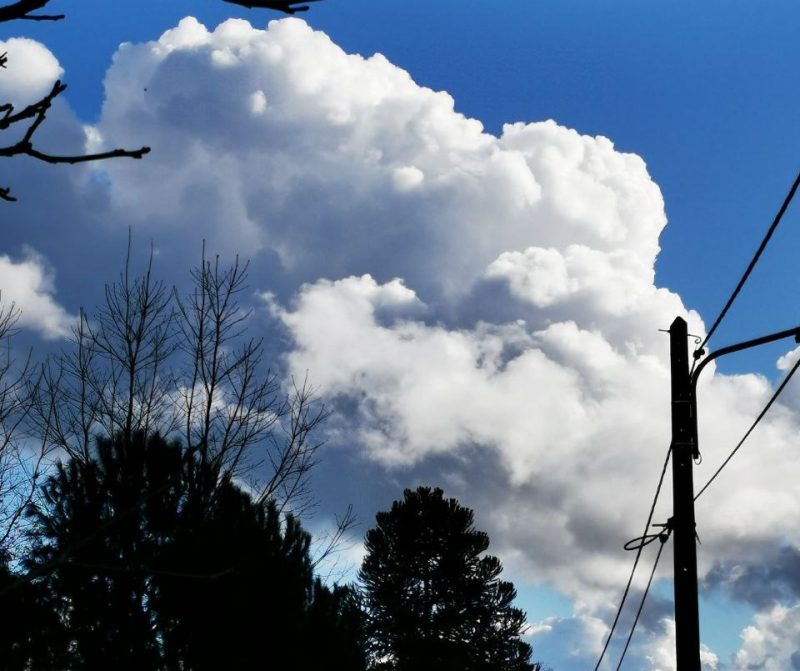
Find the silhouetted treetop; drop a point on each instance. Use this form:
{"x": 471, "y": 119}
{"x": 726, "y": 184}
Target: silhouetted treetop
{"x": 432, "y": 598}
{"x": 155, "y": 560}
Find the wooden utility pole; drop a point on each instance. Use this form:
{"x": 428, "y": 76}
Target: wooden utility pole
{"x": 684, "y": 451}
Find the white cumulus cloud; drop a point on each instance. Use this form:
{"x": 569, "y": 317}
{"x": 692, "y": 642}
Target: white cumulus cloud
{"x": 770, "y": 643}
{"x": 484, "y": 295}
{"x": 277, "y": 140}
{"x": 481, "y": 309}
{"x": 29, "y": 286}
{"x": 662, "y": 651}
{"x": 30, "y": 71}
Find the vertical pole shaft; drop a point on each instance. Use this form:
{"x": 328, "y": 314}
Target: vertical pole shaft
{"x": 684, "y": 449}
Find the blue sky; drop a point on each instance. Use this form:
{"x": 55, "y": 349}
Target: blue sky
{"x": 705, "y": 95}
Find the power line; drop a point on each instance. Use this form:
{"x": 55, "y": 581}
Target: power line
{"x": 644, "y": 541}
{"x": 753, "y": 262}
{"x": 663, "y": 538}
{"x": 772, "y": 400}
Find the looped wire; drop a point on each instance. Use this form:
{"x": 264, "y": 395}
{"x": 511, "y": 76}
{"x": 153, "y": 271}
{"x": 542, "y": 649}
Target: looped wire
{"x": 699, "y": 351}
{"x": 644, "y": 541}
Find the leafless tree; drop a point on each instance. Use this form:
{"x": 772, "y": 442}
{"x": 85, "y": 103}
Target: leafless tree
{"x": 22, "y": 464}
{"x": 149, "y": 360}
{"x": 231, "y": 407}
{"x": 30, "y": 118}
{"x": 110, "y": 381}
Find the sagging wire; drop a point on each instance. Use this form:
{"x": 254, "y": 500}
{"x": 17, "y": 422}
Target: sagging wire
{"x": 751, "y": 266}
{"x": 638, "y": 549}
{"x": 663, "y": 537}
{"x": 772, "y": 400}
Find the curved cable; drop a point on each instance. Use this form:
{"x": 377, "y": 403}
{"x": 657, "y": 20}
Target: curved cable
{"x": 635, "y": 561}
{"x": 753, "y": 262}
{"x": 644, "y": 541}
{"x": 772, "y": 400}
{"x": 663, "y": 538}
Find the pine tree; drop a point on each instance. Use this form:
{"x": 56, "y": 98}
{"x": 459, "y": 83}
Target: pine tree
{"x": 433, "y": 599}
{"x": 156, "y": 560}
{"x": 31, "y": 636}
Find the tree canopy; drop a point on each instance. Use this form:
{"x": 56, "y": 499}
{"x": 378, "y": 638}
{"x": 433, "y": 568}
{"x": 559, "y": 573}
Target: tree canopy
{"x": 433, "y": 599}
{"x": 153, "y": 559}
{"x": 138, "y": 551}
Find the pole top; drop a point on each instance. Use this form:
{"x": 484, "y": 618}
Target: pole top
{"x": 678, "y": 324}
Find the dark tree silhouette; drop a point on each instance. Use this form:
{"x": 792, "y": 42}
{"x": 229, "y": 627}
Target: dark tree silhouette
{"x": 145, "y": 550}
{"x": 150, "y": 360}
{"x": 433, "y": 599}
{"x": 157, "y": 561}
{"x": 31, "y": 117}
{"x": 31, "y": 636}
{"x": 94, "y": 539}
{"x": 285, "y": 6}
{"x": 21, "y": 9}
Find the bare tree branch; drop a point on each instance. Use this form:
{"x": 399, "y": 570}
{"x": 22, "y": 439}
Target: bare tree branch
{"x": 38, "y": 112}
{"x": 22, "y": 461}
{"x": 333, "y": 542}
{"x": 22, "y": 10}
{"x": 150, "y": 360}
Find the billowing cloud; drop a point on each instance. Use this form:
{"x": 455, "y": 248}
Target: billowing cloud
{"x": 662, "y": 651}
{"x": 278, "y": 141}
{"x": 28, "y": 286}
{"x": 775, "y": 579}
{"x": 487, "y": 299}
{"x": 480, "y": 310}
{"x": 771, "y": 642}
{"x": 30, "y": 71}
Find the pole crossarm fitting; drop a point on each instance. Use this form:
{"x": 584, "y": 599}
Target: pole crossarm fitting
{"x": 747, "y": 344}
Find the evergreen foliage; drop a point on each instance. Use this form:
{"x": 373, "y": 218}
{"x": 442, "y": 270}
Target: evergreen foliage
{"x": 433, "y": 599}
{"x": 31, "y": 635}
{"x": 153, "y": 560}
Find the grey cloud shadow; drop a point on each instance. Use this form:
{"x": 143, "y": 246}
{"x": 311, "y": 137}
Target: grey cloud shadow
{"x": 775, "y": 579}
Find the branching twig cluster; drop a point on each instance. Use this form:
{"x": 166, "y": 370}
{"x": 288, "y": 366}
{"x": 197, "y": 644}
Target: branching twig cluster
{"x": 23, "y": 461}
{"x": 36, "y": 113}
{"x": 152, "y": 361}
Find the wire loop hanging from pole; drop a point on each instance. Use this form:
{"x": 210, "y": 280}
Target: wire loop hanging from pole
{"x": 663, "y": 537}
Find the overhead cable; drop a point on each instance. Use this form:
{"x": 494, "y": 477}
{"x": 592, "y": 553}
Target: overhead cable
{"x": 638, "y": 549}
{"x": 772, "y": 400}
{"x": 752, "y": 264}
{"x": 663, "y": 538}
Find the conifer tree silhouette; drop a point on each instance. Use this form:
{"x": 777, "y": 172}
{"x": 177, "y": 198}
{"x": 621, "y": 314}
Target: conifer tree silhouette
{"x": 433, "y": 599}
{"x": 156, "y": 560}
{"x": 31, "y": 636}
